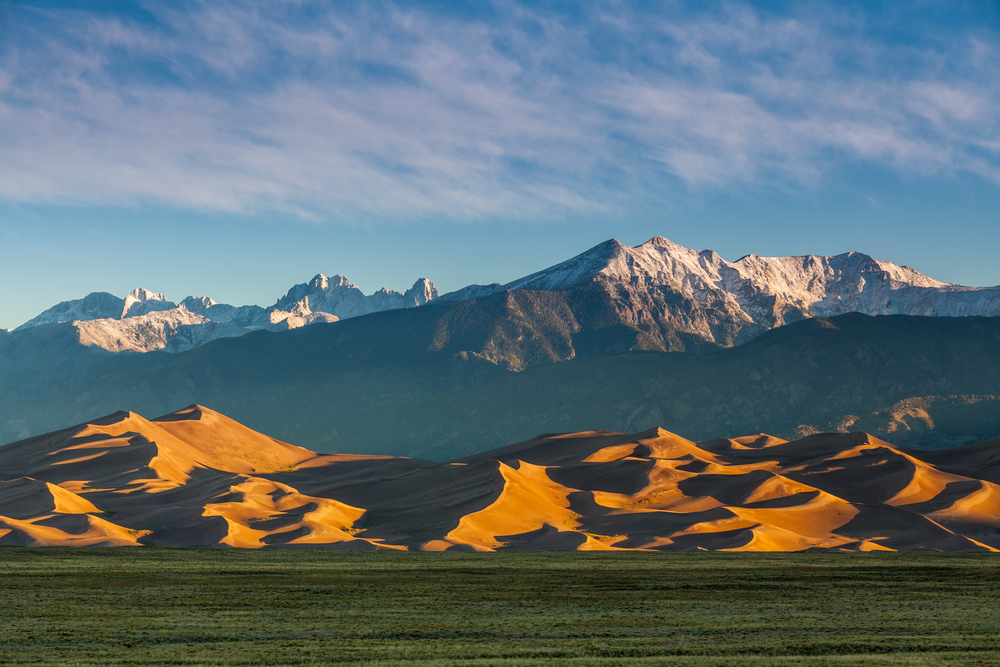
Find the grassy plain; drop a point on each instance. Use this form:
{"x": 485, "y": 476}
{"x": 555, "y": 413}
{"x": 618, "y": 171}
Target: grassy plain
{"x": 231, "y": 607}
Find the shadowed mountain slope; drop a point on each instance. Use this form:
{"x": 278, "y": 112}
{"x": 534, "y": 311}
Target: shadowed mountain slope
{"x": 921, "y": 382}
{"x": 198, "y": 478}
{"x": 393, "y": 355}
{"x": 437, "y": 381}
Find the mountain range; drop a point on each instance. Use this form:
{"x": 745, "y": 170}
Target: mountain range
{"x": 198, "y": 478}
{"x": 666, "y": 291}
{"x": 432, "y": 382}
{"x": 145, "y": 321}
{"x": 618, "y": 337}
{"x": 662, "y": 287}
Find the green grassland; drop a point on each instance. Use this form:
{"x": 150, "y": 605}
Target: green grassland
{"x": 229, "y": 607}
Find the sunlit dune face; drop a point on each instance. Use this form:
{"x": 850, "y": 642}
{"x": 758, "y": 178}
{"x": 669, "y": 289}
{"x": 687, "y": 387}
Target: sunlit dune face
{"x": 259, "y": 512}
{"x": 224, "y": 444}
{"x": 198, "y": 478}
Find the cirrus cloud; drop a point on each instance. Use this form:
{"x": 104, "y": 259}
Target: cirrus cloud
{"x": 392, "y": 111}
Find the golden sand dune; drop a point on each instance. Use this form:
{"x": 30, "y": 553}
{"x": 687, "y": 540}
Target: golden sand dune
{"x": 198, "y": 478}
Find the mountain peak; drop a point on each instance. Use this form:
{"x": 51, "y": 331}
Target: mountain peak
{"x": 94, "y": 306}
{"x": 575, "y": 271}
{"x": 738, "y": 300}
{"x": 143, "y": 294}
{"x": 328, "y": 284}
{"x": 196, "y": 304}
{"x": 423, "y": 290}
{"x": 659, "y": 242}
{"x": 339, "y": 297}
{"x": 141, "y": 301}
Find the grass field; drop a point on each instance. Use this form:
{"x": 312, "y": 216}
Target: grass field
{"x": 221, "y": 607}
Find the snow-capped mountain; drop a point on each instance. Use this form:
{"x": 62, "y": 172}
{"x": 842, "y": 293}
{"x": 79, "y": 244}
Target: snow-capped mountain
{"x": 101, "y": 305}
{"x": 145, "y": 321}
{"x": 700, "y": 293}
{"x": 658, "y": 288}
{"x": 336, "y": 298}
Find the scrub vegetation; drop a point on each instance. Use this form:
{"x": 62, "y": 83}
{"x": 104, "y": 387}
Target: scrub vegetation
{"x": 233, "y": 607}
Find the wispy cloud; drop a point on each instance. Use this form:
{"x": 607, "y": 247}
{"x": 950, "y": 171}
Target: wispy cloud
{"x": 386, "y": 111}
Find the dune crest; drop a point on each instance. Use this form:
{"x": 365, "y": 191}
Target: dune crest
{"x": 197, "y": 478}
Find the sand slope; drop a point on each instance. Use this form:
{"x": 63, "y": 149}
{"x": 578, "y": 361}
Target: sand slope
{"x": 198, "y": 478}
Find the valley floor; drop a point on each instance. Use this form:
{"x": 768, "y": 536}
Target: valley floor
{"x": 233, "y": 606}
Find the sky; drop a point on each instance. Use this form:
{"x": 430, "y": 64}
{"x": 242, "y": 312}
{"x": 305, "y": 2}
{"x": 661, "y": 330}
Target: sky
{"x": 233, "y": 149}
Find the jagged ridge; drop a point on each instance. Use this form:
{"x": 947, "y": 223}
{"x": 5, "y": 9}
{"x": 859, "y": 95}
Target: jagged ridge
{"x": 658, "y": 288}
{"x": 145, "y": 321}
{"x": 661, "y": 284}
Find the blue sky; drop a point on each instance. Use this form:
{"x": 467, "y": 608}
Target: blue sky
{"x": 236, "y": 148}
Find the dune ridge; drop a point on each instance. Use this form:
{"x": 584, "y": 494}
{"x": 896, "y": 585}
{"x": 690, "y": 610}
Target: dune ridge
{"x": 197, "y": 478}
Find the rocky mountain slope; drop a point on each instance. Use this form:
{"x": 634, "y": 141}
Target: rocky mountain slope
{"x": 660, "y": 285}
{"x": 658, "y": 296}
{"x": 657, "y": 287}
{"x": 197, "y": 478}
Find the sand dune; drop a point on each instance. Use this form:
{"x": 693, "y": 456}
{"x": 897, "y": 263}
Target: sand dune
{"x": 198, "y": 478}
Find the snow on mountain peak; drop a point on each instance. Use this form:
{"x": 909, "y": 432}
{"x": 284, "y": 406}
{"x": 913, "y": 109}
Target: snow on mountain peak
{"x": 698, "y": 291}
{"x": 573, "y": 271}
{"x": 96, "y": 305}
{"x": 659, "y": 261}
{"x": 143, "y": 294}
{"x": 327, "y": 285}
{"x": 197, "y": 304}
{"x": 659, "y": 242}
{"x": 145, "y": 320}
{"x": 659, "y": 281}
{"x": 339, "y": 298}
{"x": 141, "y": 301}
{"x": 423, "y": 291}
